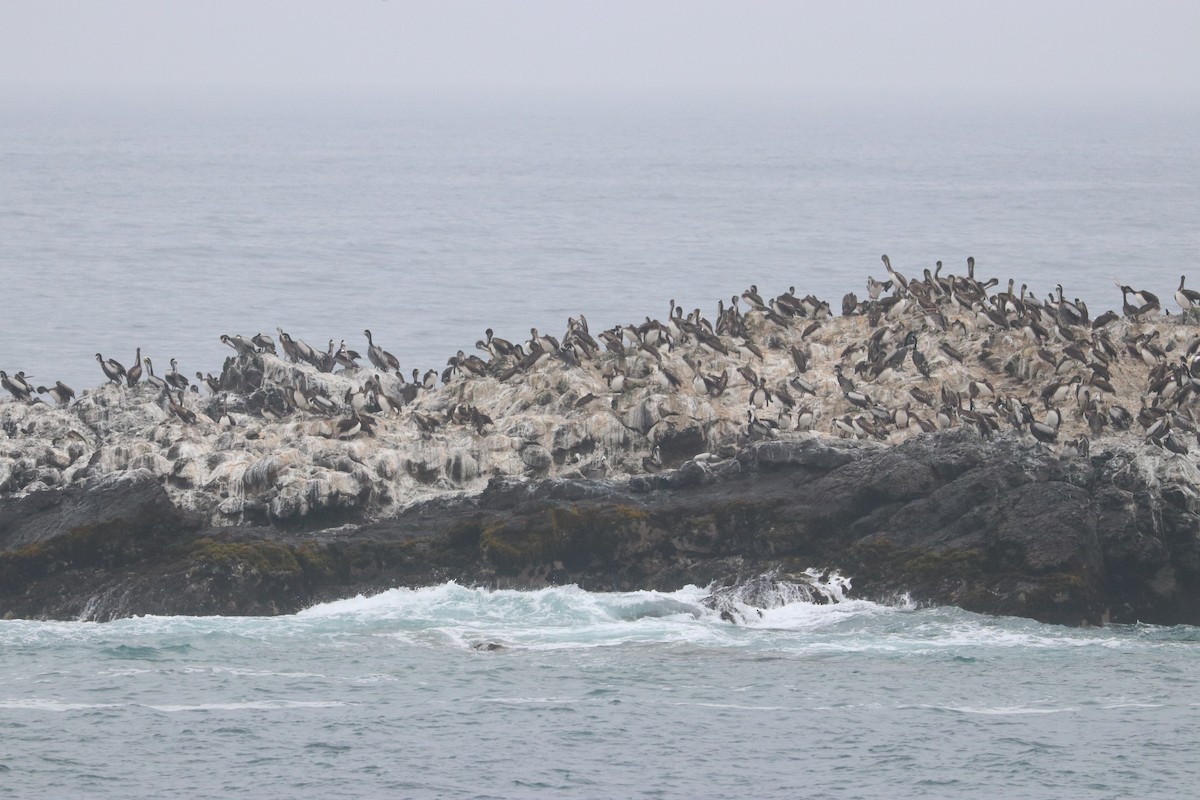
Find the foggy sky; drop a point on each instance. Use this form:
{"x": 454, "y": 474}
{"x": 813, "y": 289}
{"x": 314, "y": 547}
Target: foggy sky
{"x": 1093, "y": 47}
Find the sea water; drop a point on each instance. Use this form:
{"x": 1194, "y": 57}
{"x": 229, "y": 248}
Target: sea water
{"x": 162, "y": 221}
{"x": 456, "y": 692}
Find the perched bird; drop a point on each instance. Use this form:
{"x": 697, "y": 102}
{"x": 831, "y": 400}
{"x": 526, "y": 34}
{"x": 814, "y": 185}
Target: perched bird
{"x": 241, "y": 344}
{"x": 16, "y": 388}
{"x": 381, "y": 358}
{"x": 1186, "y": 298}
{"x": 113, "y": 369}
{"x": 60, "y": 392}
{"x": 176, "y": 379}
{"x": 134, "y": 374}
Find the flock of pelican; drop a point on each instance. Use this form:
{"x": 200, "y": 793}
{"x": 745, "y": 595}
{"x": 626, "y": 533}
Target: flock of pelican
{"x": 915, "y": 354}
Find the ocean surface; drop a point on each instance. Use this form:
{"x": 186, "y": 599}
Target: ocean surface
{"x": 165, "y": 220}
{"x": 596, "y": 696}
{"x": 161, "y": 221}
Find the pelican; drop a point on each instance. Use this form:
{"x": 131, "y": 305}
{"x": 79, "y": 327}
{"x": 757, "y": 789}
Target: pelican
{"x": 381, "y": 358}
{"x": 135, "y": 372}
{"x": 151, "y": 378}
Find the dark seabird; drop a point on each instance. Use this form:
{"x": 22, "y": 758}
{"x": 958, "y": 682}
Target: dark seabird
{"x": 350, "y": 427}
{"x": 151, "y": 378}
{"x": 760, "y": 396}
{"x": 951, "y": 351}
{"x": 61, "y": 393}
{"x": 920, "y": 362}
{"x": 846, "y": 383}
{"x": 499, "y": 347}
{"x": 748, "y": 374}
{"x": 178, "y": 409}
{"x": 25, "y": 385}
{"x": 345, "y": 354}
{"x": 799, "y": 358}
{"x": 781, "y": 394}
{"x": 16, "y": 389}
{"x": 860, "y": 399}
{"x": 175, "y": 378}
{"x": 801, "y": 385}
{"x": 844, "y": 427}
{"x": 760, "y": 428}
{"x": 672, "y": 380}
{"x": 921, "y": 396}
{"x": 381, "y": 358}
{"x": 1144, "y": 302}
{"x": 1187, "y": 298}
{"x": 1059, "y": 391}
{"x": 426, "y": 423}
{"x": 241, "y": 344}
{"x": 264, "y": 343}
{"x": 214, "y": 385}
{"x": 134, "y": 374}
{"x": 1174, "y": 445}
{"x": 290, "y": 348}
{"x": 112, "y": 368}
{"x": 544, "y": 341}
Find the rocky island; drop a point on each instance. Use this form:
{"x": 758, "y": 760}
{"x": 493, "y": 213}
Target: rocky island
{"x": 940, "y": 439}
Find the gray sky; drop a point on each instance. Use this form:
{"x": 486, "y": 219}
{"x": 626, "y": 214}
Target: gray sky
{"x": 922, "y": 46}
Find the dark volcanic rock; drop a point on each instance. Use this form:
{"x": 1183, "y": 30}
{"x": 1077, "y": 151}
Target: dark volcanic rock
{"x": 1001, "y": 526}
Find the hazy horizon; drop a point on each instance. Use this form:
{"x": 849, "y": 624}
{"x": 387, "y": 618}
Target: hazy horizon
{"x": 926, "y": 48}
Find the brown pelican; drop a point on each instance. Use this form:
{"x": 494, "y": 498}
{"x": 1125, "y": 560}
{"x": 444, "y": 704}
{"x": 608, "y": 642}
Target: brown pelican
{"x": 178, "y": 409}
{"x": 899, "y": 279}
{"x": 291, "y": 349}
{"x": 241, "y": 344}
{"x": 151, "y": 378}
{"x": 752, "y": 297}
{"x": 264, "y": 343}
{"x": 381, "y": 358}
{"x": 134, "y": 374}
{"x": 544, "y": 341}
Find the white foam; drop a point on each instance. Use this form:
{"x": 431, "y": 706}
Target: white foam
{"x": 560, "y": 618}
{"x": 253, "y": 705}
{"x": 1002, "y": 710}
{"x": 37, "y": 704}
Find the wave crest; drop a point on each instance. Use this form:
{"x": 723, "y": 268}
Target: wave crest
{"x": 745, "y": 601}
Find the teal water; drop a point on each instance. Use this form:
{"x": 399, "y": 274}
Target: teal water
{"x": 596, "y": 695}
